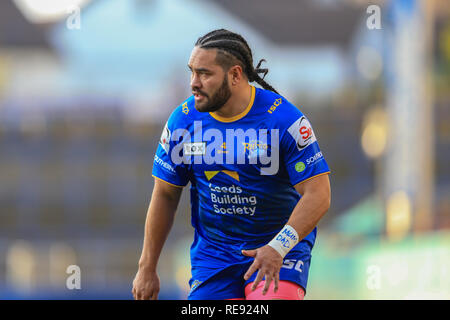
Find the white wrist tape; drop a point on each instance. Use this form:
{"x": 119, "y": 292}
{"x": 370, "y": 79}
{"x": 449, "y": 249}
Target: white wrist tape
{"x": 285, "y": 240}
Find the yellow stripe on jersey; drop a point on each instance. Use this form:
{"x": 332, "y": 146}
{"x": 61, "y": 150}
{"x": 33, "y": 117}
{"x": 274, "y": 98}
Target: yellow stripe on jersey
{"x": 239, "y": 116}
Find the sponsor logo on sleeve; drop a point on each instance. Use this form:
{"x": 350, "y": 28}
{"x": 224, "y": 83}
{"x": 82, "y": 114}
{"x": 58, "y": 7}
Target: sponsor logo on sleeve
{"x": 317, "y": 157}
{"x": 302, "y": 132}
{"x": 300, "y": 166}
{"x": 165, "y": 139}
{"x": 164, "y": 164}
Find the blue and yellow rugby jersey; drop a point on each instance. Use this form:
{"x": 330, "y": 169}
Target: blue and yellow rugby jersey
{"x": 242, "y": 172}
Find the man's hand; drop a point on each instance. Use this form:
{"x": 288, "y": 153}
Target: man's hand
{"x": 268, "y": 261}
{"x": 145, "y": 285}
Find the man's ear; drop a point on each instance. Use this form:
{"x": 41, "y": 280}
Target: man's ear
{"x": 236, "y": 74}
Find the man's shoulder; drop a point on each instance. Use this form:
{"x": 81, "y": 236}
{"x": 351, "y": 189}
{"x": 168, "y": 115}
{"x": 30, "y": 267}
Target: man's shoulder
{"x": 183, "y": 114}
{"x": 277, "y": 108}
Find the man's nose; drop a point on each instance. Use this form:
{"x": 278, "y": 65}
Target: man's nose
{"x": 195, "y": 81}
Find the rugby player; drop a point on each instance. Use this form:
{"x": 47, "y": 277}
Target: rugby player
{"x": 259, "y": 182}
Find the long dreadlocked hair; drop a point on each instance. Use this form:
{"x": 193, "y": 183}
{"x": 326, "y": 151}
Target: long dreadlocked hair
{"x": 233, "y": 49}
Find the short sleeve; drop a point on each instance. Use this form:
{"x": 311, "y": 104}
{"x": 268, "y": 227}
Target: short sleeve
{"x": 163, "y": 167}
{"x": 301, "y": 154}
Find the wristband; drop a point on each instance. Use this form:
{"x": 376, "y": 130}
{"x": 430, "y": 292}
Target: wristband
{"x": 285, "y": 240}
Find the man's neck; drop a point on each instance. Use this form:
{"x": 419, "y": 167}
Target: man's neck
{"x": 237, "y": 103}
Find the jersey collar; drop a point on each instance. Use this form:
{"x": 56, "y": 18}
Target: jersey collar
{"x": 240, "y": 115}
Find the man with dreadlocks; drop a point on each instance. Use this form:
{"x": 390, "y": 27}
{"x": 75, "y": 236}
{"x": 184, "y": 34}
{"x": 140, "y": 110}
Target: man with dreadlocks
{"x": 259, "y": 182}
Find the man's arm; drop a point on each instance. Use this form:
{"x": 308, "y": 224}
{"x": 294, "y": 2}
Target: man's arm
{"x": 315, "y": 202}
{"x": 159, "y": 221}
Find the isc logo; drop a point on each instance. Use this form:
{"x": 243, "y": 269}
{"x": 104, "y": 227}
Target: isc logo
{"x": 275, "y": 104}
{"x": 293, "y": 264}
{"x": 185, "y": 108}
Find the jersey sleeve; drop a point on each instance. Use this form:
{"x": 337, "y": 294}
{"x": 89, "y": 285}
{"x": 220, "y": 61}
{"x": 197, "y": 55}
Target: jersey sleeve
{"x": 301, "y": 154}
{"x": 172, "y": 172}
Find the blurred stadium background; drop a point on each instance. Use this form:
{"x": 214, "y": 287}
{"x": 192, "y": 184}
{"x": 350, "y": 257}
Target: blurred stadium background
{"x": 86, "y": 87}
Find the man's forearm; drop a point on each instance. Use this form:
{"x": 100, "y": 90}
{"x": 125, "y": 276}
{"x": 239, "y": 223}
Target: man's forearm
{"x": 159, "y": 221}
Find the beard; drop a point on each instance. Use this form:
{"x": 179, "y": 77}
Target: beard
{"x": 217, "y": 100}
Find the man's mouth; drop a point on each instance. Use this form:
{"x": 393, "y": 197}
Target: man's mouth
{"x": 198, "y": 95}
